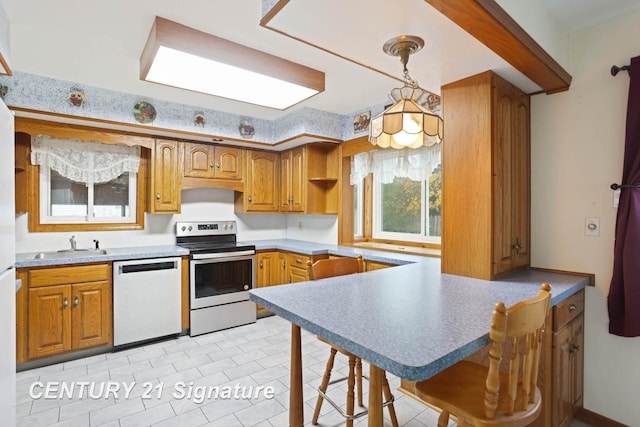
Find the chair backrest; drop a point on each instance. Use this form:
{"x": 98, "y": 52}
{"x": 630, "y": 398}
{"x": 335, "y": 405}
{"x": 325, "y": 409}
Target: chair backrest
{"x": 521, "y": 325}
{"x": 331, "y": 267}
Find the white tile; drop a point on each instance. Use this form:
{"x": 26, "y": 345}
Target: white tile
{"x": 217, "y": 366}
{"x": 148, "y": 416}
{"x": 154, "y": 373}
{"x": 81, "y": 420}
{"x": 84, "y": 361}
{"x": 43, "y": 418}
{"x": 168, "y": 359}
{"x": 191, "y": 362}
{"x": 221, "y": 408}
{"x": 115, "y": 412}
{"x": 129, "y": 369}
{"x": 84, "y": 406}
{"x": 193, "y": 418}
{"x": 259, "y": 412}
{"x": 228, "y": 421}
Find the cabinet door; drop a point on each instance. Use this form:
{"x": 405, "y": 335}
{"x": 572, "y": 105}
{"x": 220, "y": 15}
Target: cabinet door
{"x": 49, "y": 320}
{"x": 262, "y": 189}
{"x": 165, "y": 179}
{"x": 286, "y": 198}
{"x": 297, "y": 275}
{"x": 563, "y": 402}
{"x": 510, "y": 165}
{"x": 199, "y": 160}
{"x": 298, "y": 180}
{"x": 577, "y": 361}
{"x": 281, "y": 271}
{"x": 91, "y": 314}
{"x": 228, "y": 163}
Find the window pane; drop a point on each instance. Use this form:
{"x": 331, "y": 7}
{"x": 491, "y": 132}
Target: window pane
{"x": 111, "y": 199}
{"x": 434, "y": 219}
{"x": 401, "y": 206}
{"x": 68, "y": 198}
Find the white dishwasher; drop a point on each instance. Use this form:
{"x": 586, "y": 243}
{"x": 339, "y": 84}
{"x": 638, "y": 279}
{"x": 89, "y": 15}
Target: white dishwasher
{"x": 146, "y": 299}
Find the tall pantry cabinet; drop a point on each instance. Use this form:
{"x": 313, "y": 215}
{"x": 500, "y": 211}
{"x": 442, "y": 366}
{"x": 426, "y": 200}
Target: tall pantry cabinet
{"x": 486, "y": 167}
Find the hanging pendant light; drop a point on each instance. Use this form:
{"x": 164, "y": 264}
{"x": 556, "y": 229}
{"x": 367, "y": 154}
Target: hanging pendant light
{"x": 406, "y": 123}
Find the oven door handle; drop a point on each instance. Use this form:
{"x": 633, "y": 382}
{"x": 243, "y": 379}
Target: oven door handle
{"x": 222, "y": 255}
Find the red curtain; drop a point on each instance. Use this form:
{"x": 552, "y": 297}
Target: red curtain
{"x": 624, "y": 294}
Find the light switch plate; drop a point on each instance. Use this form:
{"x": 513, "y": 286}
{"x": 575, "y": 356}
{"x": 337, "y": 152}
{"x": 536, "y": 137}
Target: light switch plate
{"x": 592, "y": 226}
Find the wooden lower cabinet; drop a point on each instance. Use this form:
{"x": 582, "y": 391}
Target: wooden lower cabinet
{"x": 568, "y": 359}
{"x": 271, "y": 271}
{"x": 375, "y": 265}
{"x": 67, "y": 309}
{"x": 561, "y": 366}
{"x": 298, "y": 267}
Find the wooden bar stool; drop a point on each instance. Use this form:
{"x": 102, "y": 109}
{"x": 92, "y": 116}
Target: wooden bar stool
{"x": 480, "y": 396}
{"x": 330, "y": 268}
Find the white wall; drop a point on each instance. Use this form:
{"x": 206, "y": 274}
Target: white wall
{"x": 577, "y": 150}
{"x": 197, "y": 205}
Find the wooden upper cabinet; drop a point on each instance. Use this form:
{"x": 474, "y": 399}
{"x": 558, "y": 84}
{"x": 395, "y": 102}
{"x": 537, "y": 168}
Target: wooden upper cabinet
{"x": 511, "y": 176}
{"x": 262, "y": 189}
{"x": 309, "y": 176}
{"x": 199, "y": 160}
{"x": 486, "y": 172}
{"x": 165, "y": 178}
{"x": 212, "y": 162}
{"x": 293, "y": 178}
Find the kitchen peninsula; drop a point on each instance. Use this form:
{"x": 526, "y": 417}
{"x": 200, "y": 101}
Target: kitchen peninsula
{"x": 411, "y": 321}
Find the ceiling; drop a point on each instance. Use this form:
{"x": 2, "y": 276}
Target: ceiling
{"x": 99, "y": 44}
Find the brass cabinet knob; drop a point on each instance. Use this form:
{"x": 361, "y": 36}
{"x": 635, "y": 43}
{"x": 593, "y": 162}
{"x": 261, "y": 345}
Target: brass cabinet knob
{"x": 76, "y": 301}
{"x": 65, "y": 302}
{"x": 157, "y": 196}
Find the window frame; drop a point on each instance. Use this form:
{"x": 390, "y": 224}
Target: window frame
{"x": 345, "y": 218}
{"x": 45, "y": 204}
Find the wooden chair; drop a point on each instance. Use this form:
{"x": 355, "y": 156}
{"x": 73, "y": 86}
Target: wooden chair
{"x": 330, "y": 268}
{"x": 483, "y": 396}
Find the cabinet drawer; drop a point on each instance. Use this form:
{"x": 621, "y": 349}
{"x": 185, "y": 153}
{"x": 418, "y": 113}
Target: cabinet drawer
{"x": 298, "y": 260}
{"x": 68, "y": 275}
{"x": 567, "y": 310}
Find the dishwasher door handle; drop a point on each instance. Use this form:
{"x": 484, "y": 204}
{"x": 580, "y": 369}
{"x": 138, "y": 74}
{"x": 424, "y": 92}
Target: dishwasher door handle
{"x": 150, "y": 266}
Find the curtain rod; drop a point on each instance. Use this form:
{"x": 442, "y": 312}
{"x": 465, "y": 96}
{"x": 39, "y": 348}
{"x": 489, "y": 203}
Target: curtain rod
{"x": 615, "y": 69}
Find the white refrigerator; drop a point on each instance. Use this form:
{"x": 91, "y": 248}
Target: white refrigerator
{"x": 7, "y": 270}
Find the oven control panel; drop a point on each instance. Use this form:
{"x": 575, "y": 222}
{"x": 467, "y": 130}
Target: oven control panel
{"x": 184, "y": 229}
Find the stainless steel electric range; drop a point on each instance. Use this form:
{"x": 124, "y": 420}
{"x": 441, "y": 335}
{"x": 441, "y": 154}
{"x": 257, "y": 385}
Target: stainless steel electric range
{"x": 221, "y": 273}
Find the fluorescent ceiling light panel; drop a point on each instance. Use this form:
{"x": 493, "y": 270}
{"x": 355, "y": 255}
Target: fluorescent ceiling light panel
{"x": 180, "y": 56}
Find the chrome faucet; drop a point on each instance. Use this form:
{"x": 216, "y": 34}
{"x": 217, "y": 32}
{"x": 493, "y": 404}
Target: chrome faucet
{"x": 72, "y": 240}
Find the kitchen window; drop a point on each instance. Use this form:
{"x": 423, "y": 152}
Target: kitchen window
{"x": 405, "y": 195}
{"x": 63, "y": 200}
{"x": 86, "y": 183}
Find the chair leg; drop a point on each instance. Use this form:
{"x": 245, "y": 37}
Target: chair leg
{"x": 359, "y": 380}
{"x": 386, "y": 390}
{"x": 350, "y": 384}
{"x": 443, "y": 420}
{"x": 323, "y": 385}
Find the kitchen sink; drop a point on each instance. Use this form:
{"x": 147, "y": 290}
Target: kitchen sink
{"x": 68, "y": 253}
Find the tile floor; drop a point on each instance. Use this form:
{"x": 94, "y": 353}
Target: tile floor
{"x": 160, "y": 376}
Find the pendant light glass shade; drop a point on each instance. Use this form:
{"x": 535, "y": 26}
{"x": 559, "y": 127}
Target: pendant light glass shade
{"x": 406, "y": 123}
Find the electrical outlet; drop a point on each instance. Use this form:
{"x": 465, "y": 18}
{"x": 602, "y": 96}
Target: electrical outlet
{"x": 592, "y": 226}
{"x": 616, "y": 197}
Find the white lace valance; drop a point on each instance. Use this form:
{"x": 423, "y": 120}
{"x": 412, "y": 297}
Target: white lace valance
{"x": 86, "y": 162}
{"x": 415, "y": 164}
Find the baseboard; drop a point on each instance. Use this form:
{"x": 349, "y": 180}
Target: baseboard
{"x": 596, "y": 420}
